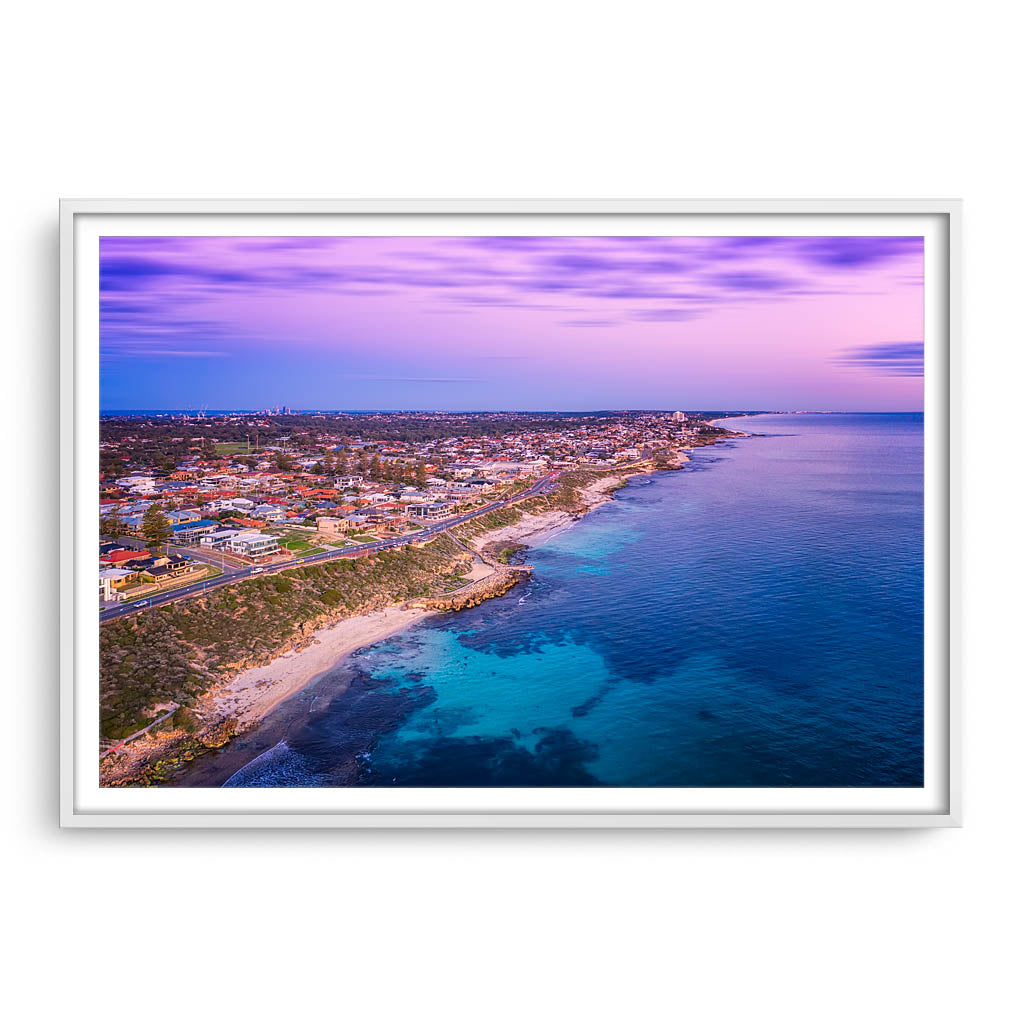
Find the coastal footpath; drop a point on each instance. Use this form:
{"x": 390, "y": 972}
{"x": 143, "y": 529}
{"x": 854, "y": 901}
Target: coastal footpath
{"x": 220, "y": 664}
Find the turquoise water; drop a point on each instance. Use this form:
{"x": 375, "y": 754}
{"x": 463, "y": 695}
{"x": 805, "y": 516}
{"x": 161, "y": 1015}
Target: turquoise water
{"x": 754, "y": 620}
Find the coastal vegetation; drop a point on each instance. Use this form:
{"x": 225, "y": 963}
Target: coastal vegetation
{"x": 509, "y": 551}
{"x": 176, "y": 652}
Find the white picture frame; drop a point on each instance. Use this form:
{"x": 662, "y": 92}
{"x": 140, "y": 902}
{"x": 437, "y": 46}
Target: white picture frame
{"x": 81, "y": 806}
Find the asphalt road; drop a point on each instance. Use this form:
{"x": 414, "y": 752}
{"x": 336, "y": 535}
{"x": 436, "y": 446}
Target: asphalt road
{"x": 233, "y": 574}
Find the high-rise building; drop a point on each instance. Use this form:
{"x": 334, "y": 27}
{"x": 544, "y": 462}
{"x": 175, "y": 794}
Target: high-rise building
{"x": 679, "y": 417}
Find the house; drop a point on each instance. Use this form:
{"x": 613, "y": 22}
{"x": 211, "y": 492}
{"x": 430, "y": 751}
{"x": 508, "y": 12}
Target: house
{"x": 189, "y": 533}
{"x": 432, "y": 510}
{"x": 188, "y": 515}
{"x": 114, "y": 581}
{"x": 143, "y": 561}
{"x": 269, "y": 513}
{"x": 330, "y": 524}
{"x": 131, "y": 526}
{"x": 349, "y": 523}
{"x": 218, "y": 540}
{"x": 171, "y": 570}
{"x": 137, "y": 484}
{"x": 253, "y": 544}
{"x": 120, "y": 556}
{"x": 474, "y": 485}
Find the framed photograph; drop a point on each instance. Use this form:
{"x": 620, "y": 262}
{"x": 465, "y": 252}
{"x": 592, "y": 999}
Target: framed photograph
{"x": 509, "y": 513}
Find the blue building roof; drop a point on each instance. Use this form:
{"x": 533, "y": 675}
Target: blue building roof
{"x": 192, "y": 526}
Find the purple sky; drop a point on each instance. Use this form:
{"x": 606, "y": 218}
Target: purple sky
{"x": 512, "y": 323}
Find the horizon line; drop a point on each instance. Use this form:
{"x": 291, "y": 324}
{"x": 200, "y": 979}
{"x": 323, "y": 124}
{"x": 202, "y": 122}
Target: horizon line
{"x": 619, "y": 409}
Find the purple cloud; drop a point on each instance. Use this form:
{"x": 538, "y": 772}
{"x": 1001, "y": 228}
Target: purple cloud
{"x": 654, "y": 316}
{"x": 889, "y": 358}
{"x": 752, "y": 281}
{"x": 858, "y": 251}
{"x": 197, "y": 290}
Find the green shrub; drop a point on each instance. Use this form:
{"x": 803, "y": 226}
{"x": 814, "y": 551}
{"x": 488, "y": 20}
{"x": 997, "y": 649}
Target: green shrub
{"x": 170, "y": 653}
{"x": 184, "y": 719}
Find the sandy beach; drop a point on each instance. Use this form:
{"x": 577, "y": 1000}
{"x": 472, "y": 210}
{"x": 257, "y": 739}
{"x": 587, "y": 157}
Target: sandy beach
{"x": 536, "y": 526}
{"x": 252, "y": 694}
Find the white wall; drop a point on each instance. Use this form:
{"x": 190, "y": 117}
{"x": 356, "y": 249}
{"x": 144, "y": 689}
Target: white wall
{"x": 529, "y": 99}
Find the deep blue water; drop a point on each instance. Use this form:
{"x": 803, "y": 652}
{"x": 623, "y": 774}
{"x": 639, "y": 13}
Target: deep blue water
{"x": 754, "y": 620}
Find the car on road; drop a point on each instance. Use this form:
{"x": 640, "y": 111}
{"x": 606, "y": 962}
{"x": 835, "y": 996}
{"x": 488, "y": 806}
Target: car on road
{"x": 258, "y": 570}
{"x": 141, "y": 604}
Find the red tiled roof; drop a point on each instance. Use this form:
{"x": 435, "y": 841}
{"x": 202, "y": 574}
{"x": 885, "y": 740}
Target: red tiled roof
{"x": 123, "y": 555}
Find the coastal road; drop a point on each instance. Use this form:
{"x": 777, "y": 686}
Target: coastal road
{"x": 235, "y": 574}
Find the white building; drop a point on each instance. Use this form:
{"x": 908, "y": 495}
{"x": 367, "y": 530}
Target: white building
{"x": 137, "y": 484}
{"x": 271, "y": 513}
{"x": 108, "y": 577}
{"x": 432, "y": 510}
{"x": 219, "y": 539}
{"x": 252, "y": 544}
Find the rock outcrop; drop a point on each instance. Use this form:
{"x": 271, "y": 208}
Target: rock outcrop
{"x": 499, "y": 582}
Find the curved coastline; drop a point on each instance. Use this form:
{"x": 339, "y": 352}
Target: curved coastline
{"x": 246, "y": 700}
{"x": 261, "y": 690}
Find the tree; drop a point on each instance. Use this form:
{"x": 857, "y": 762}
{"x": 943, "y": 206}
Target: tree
{"x": 109, "y": 526}
{"x": 421, "y": 474}
{"x": 155, "y": 526}
{"x": 375, "y": 468}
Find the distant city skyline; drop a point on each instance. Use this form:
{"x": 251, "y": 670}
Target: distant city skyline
{"x": 525, "y": 323}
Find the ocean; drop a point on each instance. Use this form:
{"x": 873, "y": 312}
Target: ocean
{"x": 755, "y": 619}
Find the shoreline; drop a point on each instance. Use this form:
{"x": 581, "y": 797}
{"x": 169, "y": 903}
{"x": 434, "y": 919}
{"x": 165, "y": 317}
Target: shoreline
{"x": 243, "y": 702}
{"x": 252, "y": 694}
{"x": 535, "y": 527}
